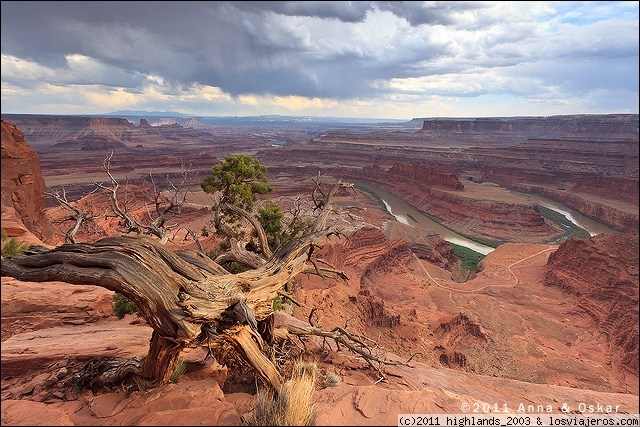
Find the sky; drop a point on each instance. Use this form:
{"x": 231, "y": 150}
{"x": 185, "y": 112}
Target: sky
{"x": 373, "y": 59}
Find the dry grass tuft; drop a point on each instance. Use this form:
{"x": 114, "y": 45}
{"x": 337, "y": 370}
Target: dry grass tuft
{"x": 329, "y": 379}
{"x": 178, "y": 371}
{"x": 293, "y": 407}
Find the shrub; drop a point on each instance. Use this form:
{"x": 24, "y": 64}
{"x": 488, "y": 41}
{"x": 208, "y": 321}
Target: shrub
{"x": 178, "y": 371}
{"x": 280, "y": 303}
{"x": 235, "y": 267}
{"x": 329, "y": 379}
{"x": 12, "y": 246}
{"x": 469, "y": 261}
{"x": 293, "y": 406}
{"x": 123, "y": 305}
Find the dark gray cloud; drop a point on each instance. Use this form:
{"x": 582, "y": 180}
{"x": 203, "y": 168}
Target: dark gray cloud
{"x": 352, "y": 11}
{"x": 433, "y": 13}
{"x": 317, "y": 49}
{"x": 241, "y": 47}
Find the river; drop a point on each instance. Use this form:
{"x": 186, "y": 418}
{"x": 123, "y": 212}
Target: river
{"x": 403, "y": 212}
{"x": 407, "y": 214}
{"x": 592, "y": 226}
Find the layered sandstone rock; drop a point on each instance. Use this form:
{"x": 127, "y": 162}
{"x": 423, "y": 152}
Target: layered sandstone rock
{"x": 440, "y": 194}
{"x": 369, "y": 249}
{"x": 610, "y": 126}
{"x": 420, "y": 175}
{"x": 45, "y": 131}
{"x": 144, "y": 124}
{"x": 602, "y": 272}
{"x": 22, "y": 182}
{"x": 620, "y": 217}
{"x": 29, "y": 306}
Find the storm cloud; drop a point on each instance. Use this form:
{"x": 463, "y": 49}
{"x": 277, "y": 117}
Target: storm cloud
{"x": 356, "y": 53}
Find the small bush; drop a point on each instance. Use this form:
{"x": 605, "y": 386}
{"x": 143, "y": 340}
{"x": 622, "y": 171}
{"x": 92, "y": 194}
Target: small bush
{"x": 329, "y": 379}
{"x": 235, "y": 267}
{"x": 293, "y": 407}
{"x": 12, "y": 246}
{"x": 280, "y": 303}
{"x": 178, "y": 371}
{"x": 123, "y": 305}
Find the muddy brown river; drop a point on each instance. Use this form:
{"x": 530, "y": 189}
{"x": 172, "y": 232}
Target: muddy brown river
{"x": 407, "y": 214}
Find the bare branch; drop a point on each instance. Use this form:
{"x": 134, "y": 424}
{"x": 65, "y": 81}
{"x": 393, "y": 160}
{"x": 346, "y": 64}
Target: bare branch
{"x": 321, "y": 220}
{"x": 318, "y": 202}
{"x": 195, "y": 239}
{"x": 353, "y": 342}
{"x": 187, "y": 299}
{"x": 78, "y": 215}
{"x": 262, "y": 236}
{"x": 290, "y": 298}
{"x": 156, "y": 225}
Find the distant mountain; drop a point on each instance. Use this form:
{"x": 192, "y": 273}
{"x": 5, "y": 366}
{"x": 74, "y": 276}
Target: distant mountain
{"x": 141, "y": 113}
{"x": 260, "y": 119}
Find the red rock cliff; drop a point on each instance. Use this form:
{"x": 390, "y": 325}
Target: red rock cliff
{"x": 22, "y": 182}
{"x": 602, "y": 126}
{"x": 602, "y": 272}
{"x": 440, "y": 194}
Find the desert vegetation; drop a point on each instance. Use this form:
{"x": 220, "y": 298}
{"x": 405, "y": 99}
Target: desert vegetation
{"x": 293, "y": 406}
{"x": 12, "y": 246}
{"x": 190, "y": 299}
{"x": 469, "y": 260}
{"x": 123, "y": 306}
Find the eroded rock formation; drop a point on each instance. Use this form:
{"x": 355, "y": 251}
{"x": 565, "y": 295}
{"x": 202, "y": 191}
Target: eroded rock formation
{"x": 440, "y": 194}
{"x": 602, "y": 272}
{"x": 22, "y": 182}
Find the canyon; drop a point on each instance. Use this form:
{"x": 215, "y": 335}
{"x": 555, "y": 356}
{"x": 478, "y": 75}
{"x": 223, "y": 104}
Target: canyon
{"x": 538, "y": 322}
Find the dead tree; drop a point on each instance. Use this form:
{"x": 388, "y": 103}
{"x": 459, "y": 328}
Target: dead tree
{"x": 156, "y": 216}
{"x": 159, "y": 202}
{"x": 78, "y": 214}
{"x": 187, "y": 298}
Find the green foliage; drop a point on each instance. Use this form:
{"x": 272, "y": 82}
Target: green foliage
{"x": 270, "y": 216}
{"x": 204, "y": 232}
{"x": 281, "y": 304}
{"x": 239, "y": 178}
{"x": 469, "y": 257}
{"x": 235, "y": 267}
{"x": 12, "y": 246}
{"x": 123, "y": 305}
{"x": 296, "y": 229}
{"x": 411, "y": 217}
{"x": 570, "y": 229}
{"x": 178, "y": 371}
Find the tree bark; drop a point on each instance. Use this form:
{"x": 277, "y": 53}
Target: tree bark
{"x": 186, "y": 299}
{"x": 162, "y": 358}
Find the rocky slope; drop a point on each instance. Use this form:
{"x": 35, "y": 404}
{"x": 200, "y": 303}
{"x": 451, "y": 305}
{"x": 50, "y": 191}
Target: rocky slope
{"x": 102, "y": 133}
{"x": 22, "y": 183}
{"x": 45, "y": 131}
{"x": 602, "y": 273}
{"x": 482, "y": 341}
{"x": 442, "y": 195}
{"x": 589, "y": 162}
{"x": 606, "y": 127}
{"x": 466, "y": 335}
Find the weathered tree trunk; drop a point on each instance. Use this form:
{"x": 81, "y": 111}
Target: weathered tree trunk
{"x": 162, "y": 358}
{"x": 186, "y": 298}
